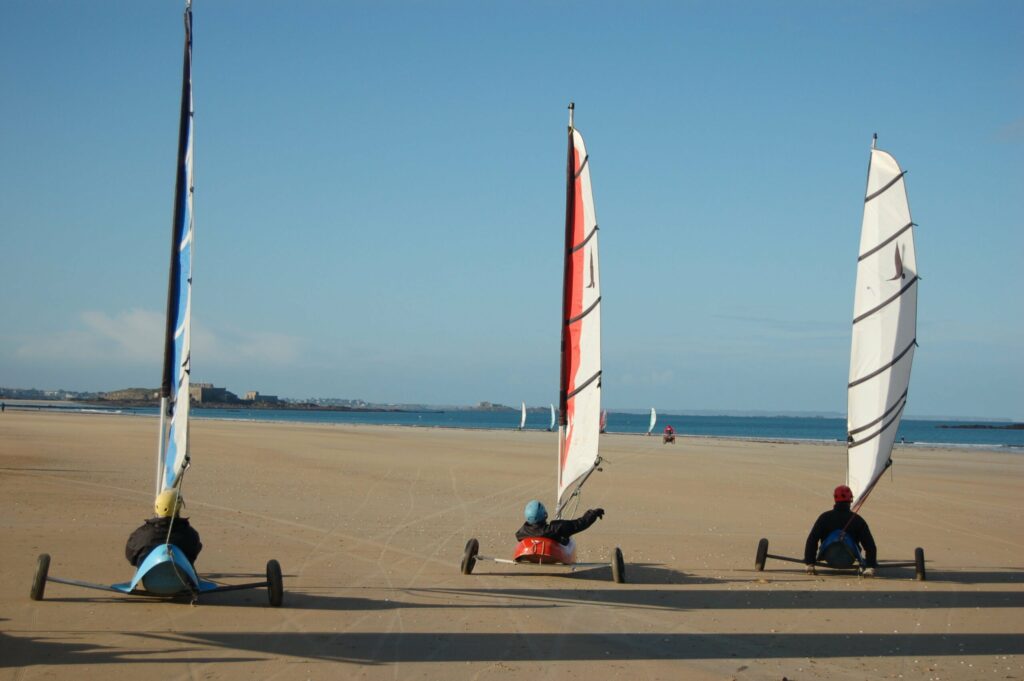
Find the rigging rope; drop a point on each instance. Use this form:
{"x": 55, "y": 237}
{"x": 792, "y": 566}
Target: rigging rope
{"x": 185, "y": 581}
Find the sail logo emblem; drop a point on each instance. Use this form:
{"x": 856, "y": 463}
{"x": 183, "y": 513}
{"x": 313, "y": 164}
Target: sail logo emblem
{"x": 592, "y": 283}
{"x": 899, "y": 267}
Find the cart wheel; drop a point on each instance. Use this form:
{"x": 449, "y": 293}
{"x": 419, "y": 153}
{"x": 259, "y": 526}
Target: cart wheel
{"x": 469, "y": 556}
{"x": 618, "y": 566}
{"x": 39, "y": 581}
{"x": 919, "y": 573}
{"x": 762, "y": 554}
{"x": 275, "y": 588}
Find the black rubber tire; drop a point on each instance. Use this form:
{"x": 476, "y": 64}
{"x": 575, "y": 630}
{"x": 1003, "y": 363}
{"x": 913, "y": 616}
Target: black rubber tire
{"x": 919, "y": 573}
{"x": 469, "y": 556}
{"x": 275, "y": 585}
{"x": 39, "y": 580}
{"x": 618, "y": 567}
{"x": 762, "y": 555}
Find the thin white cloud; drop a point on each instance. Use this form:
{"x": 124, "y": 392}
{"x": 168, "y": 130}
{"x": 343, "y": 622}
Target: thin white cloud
{"x": 1011, "y": 132}
{"x": 237, "y": 347}
{"x": 135, "y": 337}
{"x": 132, "y": 336}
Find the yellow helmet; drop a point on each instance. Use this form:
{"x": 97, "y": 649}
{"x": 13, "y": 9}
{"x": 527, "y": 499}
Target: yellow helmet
{"x": 168, "y": 503}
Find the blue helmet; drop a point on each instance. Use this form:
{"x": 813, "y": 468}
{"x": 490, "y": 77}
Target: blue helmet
{"x": 535, "y": 512}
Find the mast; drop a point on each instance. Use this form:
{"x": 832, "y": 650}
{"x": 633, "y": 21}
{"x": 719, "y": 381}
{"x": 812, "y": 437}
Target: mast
{"x": 884, "y": 333}
{"x": 172, "y": 452}
{"x": 563, "y": 391}
{"x": 570, "y": 205}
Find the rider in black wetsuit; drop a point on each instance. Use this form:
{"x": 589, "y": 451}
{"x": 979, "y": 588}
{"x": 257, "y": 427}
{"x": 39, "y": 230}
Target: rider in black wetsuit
{"x": 153, "y": 532}
{"x": 841, "y": 518}
{"x": 537, "y": 524}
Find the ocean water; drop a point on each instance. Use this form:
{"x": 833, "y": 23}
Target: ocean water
{"x": 755, "y": 427}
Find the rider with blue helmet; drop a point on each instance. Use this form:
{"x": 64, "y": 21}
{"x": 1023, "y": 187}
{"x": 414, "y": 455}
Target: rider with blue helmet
{"x": 537, "y": 524}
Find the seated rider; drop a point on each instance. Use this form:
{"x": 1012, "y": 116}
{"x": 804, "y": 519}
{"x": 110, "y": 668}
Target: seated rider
{"x": 669, "y": 430}
{"x": 537, "y": 524}
{"x": 154, "y": 531}
{"x": 843, "y": 519}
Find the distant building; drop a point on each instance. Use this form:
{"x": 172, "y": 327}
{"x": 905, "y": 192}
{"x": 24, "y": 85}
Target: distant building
{"x": 255, "y": 396}
{"x": 206, "y": 392}
{"x": 133, "y": 395}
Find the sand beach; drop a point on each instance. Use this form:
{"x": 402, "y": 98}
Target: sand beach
{"x": 369, "y": 525}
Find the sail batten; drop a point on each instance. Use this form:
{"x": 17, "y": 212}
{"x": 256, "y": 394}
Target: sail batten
{"x": 173, "y": 449}
{"x": 885, "y": 188}
{"x": 585, "y": 312}
{"x": 884, "y": 329}
{"x": 899, "y": 403}
{"x": 894, "y": 421}
{"x": 580, "y": 383}
{"x": 886, "y": 242}
{"x": 583, "y": 243}
{"x": 884, "y": 303}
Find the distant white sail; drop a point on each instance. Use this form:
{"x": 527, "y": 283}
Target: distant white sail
{"x": 522, "y": 417}
{"x": 580, "y": 386}
{"x": 884, "y": 326}
{"x": 654, "y": 419}
{"x": 173, "y": 450}
{"x": 553, "y": 418}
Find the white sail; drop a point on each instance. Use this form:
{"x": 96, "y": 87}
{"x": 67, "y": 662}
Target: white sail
{"x": 173, "y": 450}
{"x": 884, "y": 326}
{"x": 580, "y": 389}
{"x": 522, "y": 416}
{"x": 654, "y": 419}
{"x": 553, "y": 418}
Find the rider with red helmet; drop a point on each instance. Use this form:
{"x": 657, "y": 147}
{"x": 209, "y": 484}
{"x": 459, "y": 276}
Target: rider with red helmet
{"x": 845, "y": 522}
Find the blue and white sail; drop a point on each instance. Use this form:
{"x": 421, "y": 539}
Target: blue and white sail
{"x": 173, "y": 450}
{"x": 884, "y": 326}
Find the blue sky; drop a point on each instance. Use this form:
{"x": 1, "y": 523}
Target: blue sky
{"x": 380, "y": 195}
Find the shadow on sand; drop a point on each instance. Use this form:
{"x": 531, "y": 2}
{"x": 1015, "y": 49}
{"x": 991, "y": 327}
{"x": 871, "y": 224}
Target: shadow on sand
{"x": 23, "y": 651}
{"x": 391, "y": 647}
{"x": 309, "y": 599}
{"x": 717, "y": 599}
{"x": 992, "y": 576}
{"x": 935, "y": 575}
{"x": 636, "y": 573}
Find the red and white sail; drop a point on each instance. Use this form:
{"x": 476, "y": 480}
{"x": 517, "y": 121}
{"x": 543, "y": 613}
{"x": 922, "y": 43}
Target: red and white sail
{"x": 580, "y": 388}
{"x": 884, "y": 326}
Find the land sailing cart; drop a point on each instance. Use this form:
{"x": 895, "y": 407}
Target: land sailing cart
{"x": 579, "y": 415}
{"x": 166, "y": 571}
{"x": 884, "y": 337}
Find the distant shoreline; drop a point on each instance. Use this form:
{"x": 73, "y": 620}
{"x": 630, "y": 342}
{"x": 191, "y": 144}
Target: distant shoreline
{"x": 225, "y": 416}
{"x": 282, "y": 406}
{"x": 984, "y": 426}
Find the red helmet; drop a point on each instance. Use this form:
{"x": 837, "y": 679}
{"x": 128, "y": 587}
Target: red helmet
{"x": 842, "y": 493}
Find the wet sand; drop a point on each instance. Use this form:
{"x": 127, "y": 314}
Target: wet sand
{"x": 369, "y": 525}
